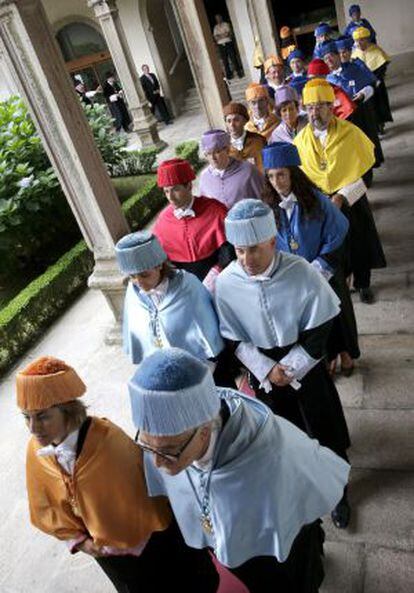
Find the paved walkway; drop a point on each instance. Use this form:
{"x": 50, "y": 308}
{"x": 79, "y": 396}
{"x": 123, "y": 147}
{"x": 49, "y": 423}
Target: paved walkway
{"x": 376, "y": 554}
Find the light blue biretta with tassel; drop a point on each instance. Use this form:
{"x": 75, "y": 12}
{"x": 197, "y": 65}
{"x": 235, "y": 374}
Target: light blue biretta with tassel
{"x": 250, "y": 222}
{"x": 278, "y": 155}
{"x": 139, "y": 252}
{"x": 172, "y": 392}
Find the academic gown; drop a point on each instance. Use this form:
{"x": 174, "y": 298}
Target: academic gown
{"x": 294, "y": 309}
{"x": 185, "y": 319}
{"x": 352, "y": 25}
{"x": 284, "y": 134}
{"x": 267, "y": 481}
{"x": 240, "y": 180}
{"x": 107, "y": 462}
{"x": 376, "y": 60}
{"x": 353, "y": 79}
{"x": 331, "y": 169}
{"x": 321, "y": 238}
{"x": 297, "y": 82}
{"x": 197, "y": 243}
{"x": 251, "y": 151}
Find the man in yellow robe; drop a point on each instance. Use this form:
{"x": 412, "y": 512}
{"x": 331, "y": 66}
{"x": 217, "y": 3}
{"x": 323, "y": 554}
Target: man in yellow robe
{"x": 335, "y": 155}
{"x": 86, "y": 486}
{"x": 377, "y": 61}
{"x": 262, "y": 120}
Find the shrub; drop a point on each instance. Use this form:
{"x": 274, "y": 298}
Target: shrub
{"x": 135, "y": 162}
{"x": 190, "y": 152}
{"x": 33, "y": 209}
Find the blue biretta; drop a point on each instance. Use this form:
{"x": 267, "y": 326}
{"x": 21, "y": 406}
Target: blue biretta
{"x": 139, "y": 252}
{"x": 250, "y": 222}
{"x": 267, "y": 479}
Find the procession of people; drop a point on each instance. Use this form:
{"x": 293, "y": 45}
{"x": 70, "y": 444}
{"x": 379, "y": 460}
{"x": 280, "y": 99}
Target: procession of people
{"x": 239, "y": 318}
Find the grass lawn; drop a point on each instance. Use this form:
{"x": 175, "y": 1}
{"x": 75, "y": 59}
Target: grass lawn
{"x": 125, "y": 187}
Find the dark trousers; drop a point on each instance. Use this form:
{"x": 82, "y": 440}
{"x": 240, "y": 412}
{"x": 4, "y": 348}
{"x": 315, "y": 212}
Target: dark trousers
{"x": 166, "y": 564}
{"x": 302, "y": 572}
{"x": 160, "y": 110}
{"x": 228, "y": 54}
{"x": 120, "y": 114}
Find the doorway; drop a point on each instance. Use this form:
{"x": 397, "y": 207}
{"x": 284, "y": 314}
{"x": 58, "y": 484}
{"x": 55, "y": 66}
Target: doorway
{"x": 303, "y": 16}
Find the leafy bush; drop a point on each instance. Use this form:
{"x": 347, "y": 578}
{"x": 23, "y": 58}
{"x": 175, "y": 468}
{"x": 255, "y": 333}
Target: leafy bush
{"x": 135, "y": 162}
{"x": 33, "y": 210}
{"x": 190, "y": 152}
{"x": 36, "y": 222}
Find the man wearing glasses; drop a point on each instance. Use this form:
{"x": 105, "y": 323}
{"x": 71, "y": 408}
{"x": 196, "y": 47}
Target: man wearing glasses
{"x": 335, "y": 155}
{"x": 242, "y": 482}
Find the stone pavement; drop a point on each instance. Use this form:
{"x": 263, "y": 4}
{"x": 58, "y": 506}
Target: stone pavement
{"x": 375, "y": 555}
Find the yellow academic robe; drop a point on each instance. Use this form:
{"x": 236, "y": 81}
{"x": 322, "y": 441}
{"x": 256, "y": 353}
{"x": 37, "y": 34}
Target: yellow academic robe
{"x": 374, "y": 56}
{"x": 106, "y": 497}
{"x": 346, "y": 156}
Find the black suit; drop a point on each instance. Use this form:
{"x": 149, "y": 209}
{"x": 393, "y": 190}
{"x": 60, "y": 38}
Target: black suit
{"x": 151, "y": 88}
{"x": 117, "y": 108}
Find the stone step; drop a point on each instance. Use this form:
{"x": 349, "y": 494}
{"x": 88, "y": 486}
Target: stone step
{"x": 191, "y": 103}
{"x": 383, "y": 376}
{"x": 385, "y": 317}
{"x": 358, "y": 568}
{"x": 381, "y": 439}
{"x": 381, "y": 502}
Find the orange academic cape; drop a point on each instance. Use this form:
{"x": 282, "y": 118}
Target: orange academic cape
{"x": 106, "y": 497}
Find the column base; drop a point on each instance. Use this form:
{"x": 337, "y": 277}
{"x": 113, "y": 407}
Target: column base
{"x": 148, "y": 134}
{"x": 107, "y": 278}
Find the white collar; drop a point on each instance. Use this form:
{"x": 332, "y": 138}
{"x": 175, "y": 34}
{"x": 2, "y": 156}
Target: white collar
{"x": 217, "y": 172}
{"x": 159, "y": 290}
{"x": 266, "y": 274}
{"x": 183, "y": 212}
{"x": 238, "y": 143}
{"x": 65, "y": 452}
{"x": 337, "y": 71}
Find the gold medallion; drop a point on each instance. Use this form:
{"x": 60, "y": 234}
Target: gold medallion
{"x": 158, "y": 343}
{"x": 323, "y": 165}
{"x": 206, "y": 524}
{"x": 294, "y": 245}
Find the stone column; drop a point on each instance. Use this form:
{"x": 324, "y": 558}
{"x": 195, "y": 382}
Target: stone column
{"x": 36, "y": 65}
{"x": 263, "y": 24}
{"x": 244, "y": 34}
{"x": 143, "y": 122}
{"x": 202, "y": 55}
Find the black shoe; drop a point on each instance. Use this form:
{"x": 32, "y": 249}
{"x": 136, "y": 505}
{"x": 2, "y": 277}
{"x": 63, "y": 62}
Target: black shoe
{"x": 366, "y": 296}
{"x": 341, "y": 514}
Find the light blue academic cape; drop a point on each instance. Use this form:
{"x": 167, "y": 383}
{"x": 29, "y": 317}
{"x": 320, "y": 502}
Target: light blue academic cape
{"x": 316, "y": 236}
{"x": 186, "y": 316}
{"x": 268, "y": 480}
{"x": 272, "y": 313}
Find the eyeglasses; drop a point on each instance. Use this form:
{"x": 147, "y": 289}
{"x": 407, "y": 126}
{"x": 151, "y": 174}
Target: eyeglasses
{"x": 168, "y": 456}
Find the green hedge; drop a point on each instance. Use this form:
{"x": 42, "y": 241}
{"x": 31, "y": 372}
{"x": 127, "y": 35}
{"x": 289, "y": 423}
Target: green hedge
{"x": 26, "y": 317}
{"x": 190, "y": 152}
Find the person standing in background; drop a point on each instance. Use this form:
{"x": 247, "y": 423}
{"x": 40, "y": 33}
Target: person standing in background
{"x": 114, "y": 96}
{"x": 152, "y": 91}
{"x": 223, "y": 36}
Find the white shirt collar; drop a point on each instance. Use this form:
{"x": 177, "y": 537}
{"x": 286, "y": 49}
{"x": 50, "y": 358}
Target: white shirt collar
{"x": 267, "y": 273}
{"x": 65, "y": 452}
{"x": 321, "y": 134}
{"x": 238, "y": 143}
{"x": 288, "y": 203}
{"x": 183, "y": 212}
{"x": 217, "y": 172}
{"x": 158, "y": 293}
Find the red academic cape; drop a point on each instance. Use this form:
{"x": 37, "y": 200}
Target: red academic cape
{"x": 192, "y": 239}
{"x": 344, "y": 106}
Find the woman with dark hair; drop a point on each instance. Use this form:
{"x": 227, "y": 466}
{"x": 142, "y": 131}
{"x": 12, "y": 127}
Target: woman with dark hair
{"x": 287, "y": 108}
{"x": 311, "y": 226}
{"x": 167, "y": 307}
{"x": 86, "y": 487}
